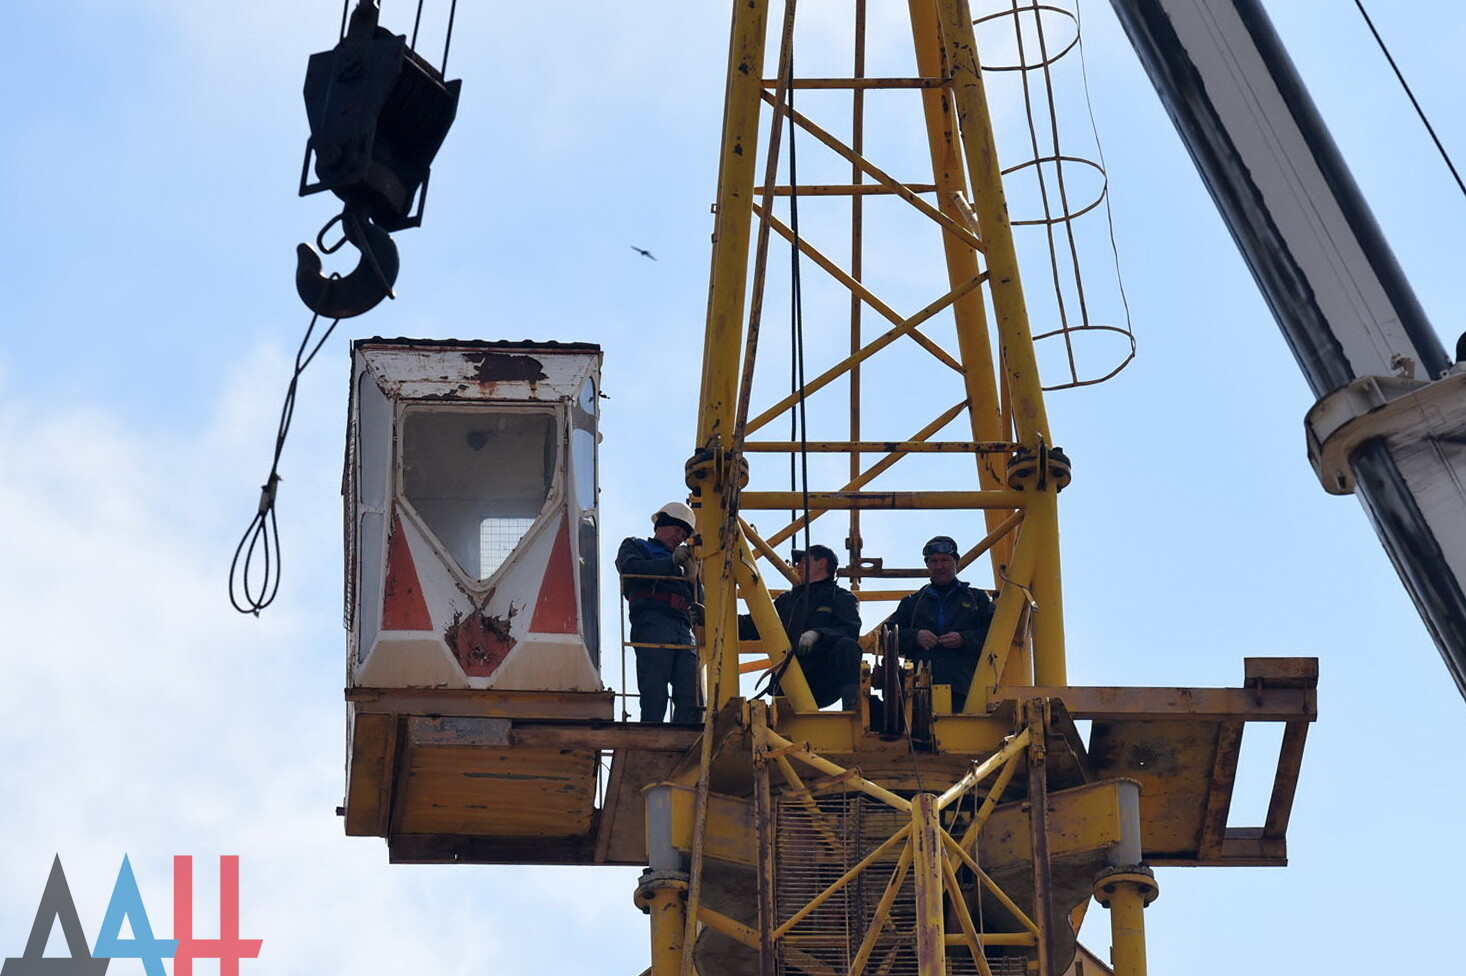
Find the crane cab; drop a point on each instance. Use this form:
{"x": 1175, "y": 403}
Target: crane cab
{"x": 472, "y": 577}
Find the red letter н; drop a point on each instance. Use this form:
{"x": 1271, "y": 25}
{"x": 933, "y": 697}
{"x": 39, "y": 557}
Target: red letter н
{"x": 228, "y": 948}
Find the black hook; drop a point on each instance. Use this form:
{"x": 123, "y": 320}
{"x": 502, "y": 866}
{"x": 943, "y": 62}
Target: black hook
{"x": 370, "y": 282}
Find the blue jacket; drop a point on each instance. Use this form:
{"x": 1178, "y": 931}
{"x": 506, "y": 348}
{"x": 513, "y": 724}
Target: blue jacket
{"x": 651, "y": 581}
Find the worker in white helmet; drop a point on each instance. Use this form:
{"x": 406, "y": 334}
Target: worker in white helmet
{"x": 658, "y": 579}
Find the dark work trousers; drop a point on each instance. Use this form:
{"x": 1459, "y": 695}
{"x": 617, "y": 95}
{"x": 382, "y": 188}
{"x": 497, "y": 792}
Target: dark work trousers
{"x": 832, "y": 668}
{"x": 658, "y": 668}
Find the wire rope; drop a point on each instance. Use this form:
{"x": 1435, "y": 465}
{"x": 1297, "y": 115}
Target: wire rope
{"x": 254, "y": 572}
{"x": 448, "y": 36}
{"x": 1411, "y": 95}
{"x": 799, "y": 417}
{"x": 261, "y": 541}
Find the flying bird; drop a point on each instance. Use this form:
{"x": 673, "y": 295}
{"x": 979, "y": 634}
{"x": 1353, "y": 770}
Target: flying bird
{"x": 642, "y": 251}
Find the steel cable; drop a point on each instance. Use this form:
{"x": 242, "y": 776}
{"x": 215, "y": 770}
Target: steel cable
{"x": 1411, "y": 95}
{"x": 262, "y": 539}
{"x": 799, "y": 417}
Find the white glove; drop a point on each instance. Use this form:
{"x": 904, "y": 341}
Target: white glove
{"x": 807, "y": 640}
{"x": 682, "y": 556}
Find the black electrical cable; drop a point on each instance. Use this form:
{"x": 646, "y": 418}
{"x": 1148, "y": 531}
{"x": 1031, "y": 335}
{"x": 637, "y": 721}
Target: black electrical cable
{"x": 799, "y": 417}
{"x": 263, "y": 535}
{"x": 1413, "y": 101}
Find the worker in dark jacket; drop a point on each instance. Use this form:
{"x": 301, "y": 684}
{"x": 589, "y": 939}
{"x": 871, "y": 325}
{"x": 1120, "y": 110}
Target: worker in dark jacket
{"x": 657, "y": 579}
{"x": 822, "y": 621}
{"x": 945, "y": 622}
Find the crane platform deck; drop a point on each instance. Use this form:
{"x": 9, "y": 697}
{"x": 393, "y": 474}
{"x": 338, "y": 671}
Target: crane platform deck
{"x": 542, "y": 778}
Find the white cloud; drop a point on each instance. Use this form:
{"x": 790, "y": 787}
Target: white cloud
{"x": 142, "y": 715}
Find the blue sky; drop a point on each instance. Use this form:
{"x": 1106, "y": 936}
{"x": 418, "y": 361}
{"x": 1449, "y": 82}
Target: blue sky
{"x": 148, "y": 193}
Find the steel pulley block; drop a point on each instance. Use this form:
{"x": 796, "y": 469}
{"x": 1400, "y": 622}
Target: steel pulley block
{"x": 378, "y": 114}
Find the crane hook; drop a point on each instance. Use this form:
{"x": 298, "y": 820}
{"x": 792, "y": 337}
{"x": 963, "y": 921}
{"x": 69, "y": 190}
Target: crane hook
{"x": 341, "y": 297}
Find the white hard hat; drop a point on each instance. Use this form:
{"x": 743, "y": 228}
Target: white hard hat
{"x": 677, "y": 512}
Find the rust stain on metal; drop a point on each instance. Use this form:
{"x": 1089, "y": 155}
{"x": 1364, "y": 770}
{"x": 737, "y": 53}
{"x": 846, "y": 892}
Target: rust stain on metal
{"x": 498, "y": 367}
{"x": 1157, "y": 757}
{"x": 480, "y": 641}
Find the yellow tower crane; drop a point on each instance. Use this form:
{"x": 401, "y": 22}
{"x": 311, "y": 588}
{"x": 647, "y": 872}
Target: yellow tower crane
{"x": 901, "y": 837}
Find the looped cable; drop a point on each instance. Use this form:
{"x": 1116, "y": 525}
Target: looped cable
{"x": 254, "y": 572}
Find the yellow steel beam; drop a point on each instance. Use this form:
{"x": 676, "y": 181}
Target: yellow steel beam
{"x": 981, "y": 771}
{"x": 719, "y": 922}
{"x": 969, "y": 96}
{"x": 810, "y": 758}
{"x": 662, "y": 897}
{"x": 970, "y": 313}
{"x": 958, "y": 901}
{"x": 997, "y": 939}
{"x": 990, "y": 802}
{"x": 881, "y": 447}
{"x": 1047, "y": 606}
{"x": 1126, "y": 892}
{"x": 713, "y": 501}
{"x": 838, "y": 83}
{"x": 765, "y": 824}
{"x": 881, "y": 915}
{"x": 802, "y": 796}
{"x": 1023, "y": 385}
{"x": 865, "y": 295}
{"x": 847, "y": 189}
{"x": 991, "y": 885}
{"x": 903, "y": 500}
{"x": 1007, "y": 615}
{"x": 732, "y": 223}
{"x": 903, "y": 326}
{"x": 792, "y": 683}
{"x": 882, "y": 178}
{"x": 870, "y": 474}
{"x": 926, "y": 871}
{"x": 834, "y": 887}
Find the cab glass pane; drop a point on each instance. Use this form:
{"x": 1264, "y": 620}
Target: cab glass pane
{"x": 478, "y": 479}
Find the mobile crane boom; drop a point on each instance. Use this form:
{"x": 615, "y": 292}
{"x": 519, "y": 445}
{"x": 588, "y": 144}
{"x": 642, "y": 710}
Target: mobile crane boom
{"x": 1390, "y": 421}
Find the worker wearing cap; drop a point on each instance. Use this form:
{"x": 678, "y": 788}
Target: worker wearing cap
{"x": 822, "y": 621}
{"x": 945, "y": 622}
{"x": 657, "y": 579}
